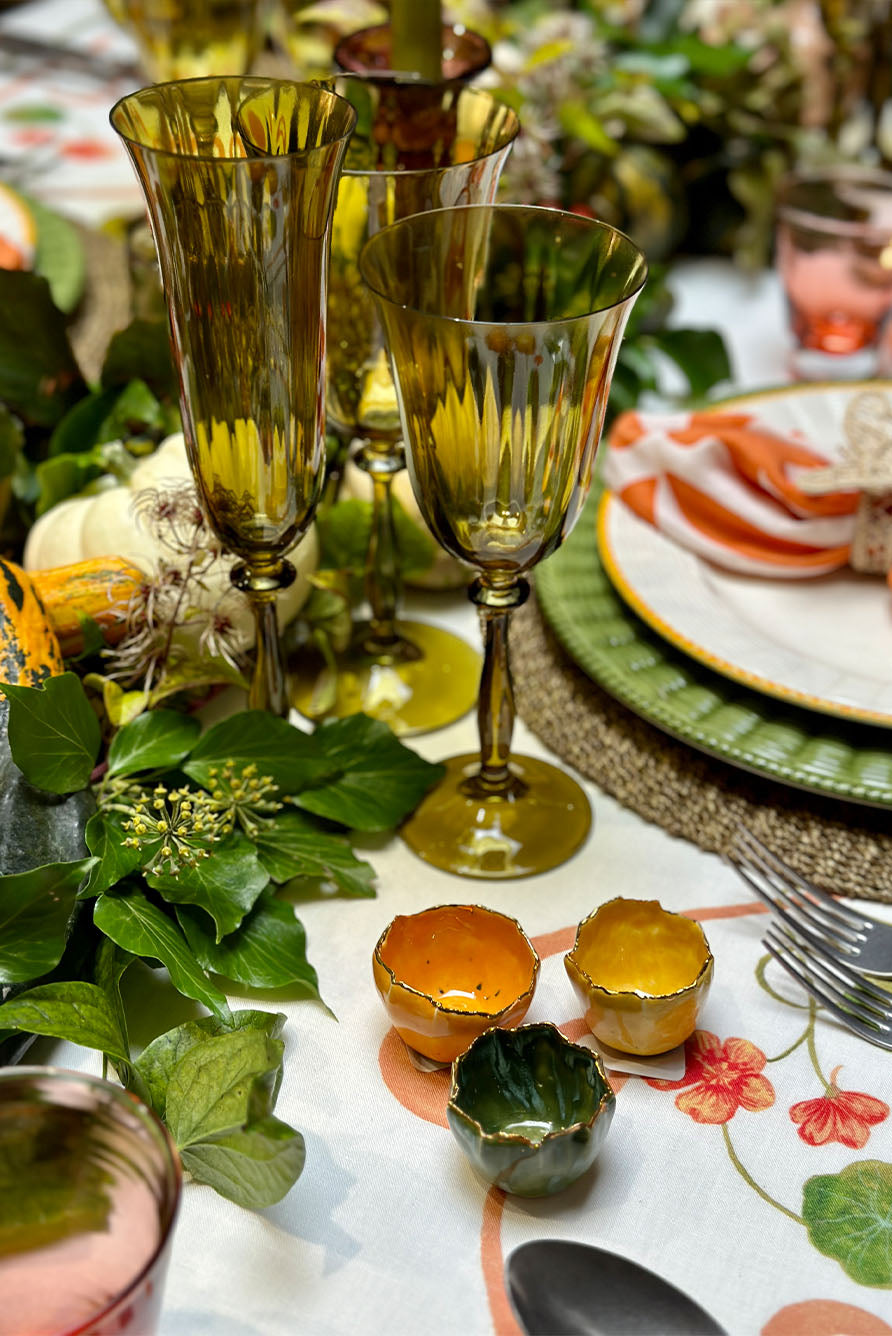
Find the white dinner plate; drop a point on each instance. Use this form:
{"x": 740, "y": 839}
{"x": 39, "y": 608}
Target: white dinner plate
{"x": 823, "y": 643}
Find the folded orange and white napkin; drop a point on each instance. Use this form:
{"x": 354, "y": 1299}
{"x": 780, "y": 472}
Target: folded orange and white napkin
{"x": 724, "y": 485}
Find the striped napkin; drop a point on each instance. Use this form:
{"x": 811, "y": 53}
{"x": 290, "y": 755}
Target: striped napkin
{"x": 724, "y": 485}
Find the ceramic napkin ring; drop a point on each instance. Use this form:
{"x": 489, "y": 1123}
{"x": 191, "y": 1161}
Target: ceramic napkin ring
{"x": 642, "y": 973}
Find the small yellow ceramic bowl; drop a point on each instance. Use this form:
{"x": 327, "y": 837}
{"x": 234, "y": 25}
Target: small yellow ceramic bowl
{"x": 642, "y": 974}
{"x": 447, "y": 974}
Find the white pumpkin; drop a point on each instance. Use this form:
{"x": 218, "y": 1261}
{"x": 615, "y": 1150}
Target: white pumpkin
{"x": 105, "y": 524}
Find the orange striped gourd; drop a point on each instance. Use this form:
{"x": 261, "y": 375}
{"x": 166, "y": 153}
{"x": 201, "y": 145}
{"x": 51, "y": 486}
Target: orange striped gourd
{"x": 29, "y": 648}
{"x": 104, "y": 589}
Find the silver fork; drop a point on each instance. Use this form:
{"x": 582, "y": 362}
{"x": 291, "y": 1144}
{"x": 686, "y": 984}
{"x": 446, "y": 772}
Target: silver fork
{"x": 853, "y": 938}
{"x": 858, "y": 1004}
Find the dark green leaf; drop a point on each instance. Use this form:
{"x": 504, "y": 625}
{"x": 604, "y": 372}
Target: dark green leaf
{"x": 11, "y": 441}
{"x": 294, "y": 846}
{"x": 35, "y": 914}
{"x": 268, "y": 951}
{"x": 254, "y": 1167}
{"x": 136, "y": 925}
{"x": 291, "y": 758}
{"x": 39, "y": 378}
{"x": 66, "y": 475}
{"x": 105, "y": 836}
{"x": 155, "y": 740}
{"x": 142, "y": 350}
{"x": 226, "y": 884}
{"x": 79, "y": 1012}
{"x": 344, "y": 532}
{"x": 159, "y": 1058}
{"x": 54, "y": 735}
{"x": 700, "y": 355}
{"x": 109, "y": 966}
{"x": 81, "y": 427}
{"x": 219, "y": 1086}
{"x": 381, "y": 780}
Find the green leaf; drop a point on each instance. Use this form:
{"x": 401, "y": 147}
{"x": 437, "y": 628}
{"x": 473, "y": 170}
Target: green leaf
{"x": 109, "y": 966}
{"x": 381, "y": 780}
{"x": 79, "y": 1012}
{"x": 849, "y": 1217}
{"x": 142, "y": 350}
{"x": 136, "y": 925}
{"x": 159, "y": 739}
{"x": 219, "y": 1086}
{"x": 158, "y": 1059}
{"x": 344, "y": 531}
{"x": 35, "y": 914}
{"x": 254, "y": 1167}
{"x": 12, "y": 438}
{"x": 700, "y": 355}
{"x": 294, "y": 846}
{"x": 226, "y": 884}
{"x": 268, "y": 951}
{"x": 105, "y": 836}
{"x": 54, "y": 735}
{"x": 60, "y": 256}
{"x": 66, "y": 475}
{"x": 81, "y": 427}
{"x": 39, "y": 378}
{"x": 291, "y": 758}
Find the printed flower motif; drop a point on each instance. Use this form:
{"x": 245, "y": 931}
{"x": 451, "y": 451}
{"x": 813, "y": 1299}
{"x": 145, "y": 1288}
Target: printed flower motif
{"x": 723, "y": 1077}
{"x": 845, "y": 1116}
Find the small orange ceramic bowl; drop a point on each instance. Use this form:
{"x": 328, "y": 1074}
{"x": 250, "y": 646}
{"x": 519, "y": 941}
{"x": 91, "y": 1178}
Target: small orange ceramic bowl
{"x": 447, "y": 974}
{"x": 642, "y": 974}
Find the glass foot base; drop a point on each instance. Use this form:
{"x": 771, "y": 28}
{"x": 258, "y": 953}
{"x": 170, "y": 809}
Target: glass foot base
{"x": 495, "y": 837}
{"x": 412, "y": 692}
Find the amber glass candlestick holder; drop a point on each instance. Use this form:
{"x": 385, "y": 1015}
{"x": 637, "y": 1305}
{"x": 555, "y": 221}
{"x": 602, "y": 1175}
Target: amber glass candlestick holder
{"x": 503, "y": 324}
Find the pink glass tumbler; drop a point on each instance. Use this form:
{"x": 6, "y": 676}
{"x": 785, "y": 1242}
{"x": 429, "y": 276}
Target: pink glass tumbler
{"x": 834, "y": 256}
{"x": 89, "y": 1190}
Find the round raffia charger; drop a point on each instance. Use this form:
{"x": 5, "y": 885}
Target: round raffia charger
{"x": 840, "y": 845}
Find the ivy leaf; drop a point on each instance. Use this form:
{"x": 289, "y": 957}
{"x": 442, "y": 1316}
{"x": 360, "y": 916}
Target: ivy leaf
{"x": 219, "y": 1086}
{"x": 113, "y": 861}
{"x": 53, "y": 734}
{"x": 35, "y": 915}
{"x": 380, "y": 780}
{"x": 141, "y": 350}
{"x": 849, "y": 1217}
{"x": 268, "y": 951}
{"x": 77, "y": 1011}
{"x": 254, "y": 1167}
{"x": 138, "y": 926}
{"x": 39, "y": 378}
{"x": 294, "y": 846}
{"x": 291, "y": 758}
{"x": 158, "y": 1059}
{"x": 226, "y": 884}
{"x": 345, "y": 530}
{"x": 109, "y": 966}
{"x": 700, "y": 355}
{"x": 158, "y": 739}
{"x": 12, "y": 438}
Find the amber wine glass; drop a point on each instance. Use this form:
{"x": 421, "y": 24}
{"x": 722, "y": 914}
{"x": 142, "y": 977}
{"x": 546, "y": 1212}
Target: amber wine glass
{"x": 417, "y": 146}
{"x": 186, "y": 39}
{"x": 503, "y": 323}
{"x": 239, "y": 176}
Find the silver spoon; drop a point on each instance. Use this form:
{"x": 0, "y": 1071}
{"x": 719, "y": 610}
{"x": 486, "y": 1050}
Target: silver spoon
{"x": 560, "y": 1288}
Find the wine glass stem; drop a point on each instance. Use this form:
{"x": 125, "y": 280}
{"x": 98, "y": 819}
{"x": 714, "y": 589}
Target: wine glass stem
{"x": 382, "y": 580}
{"x": 495, "y": 706}
{"x": 268, "y": 683}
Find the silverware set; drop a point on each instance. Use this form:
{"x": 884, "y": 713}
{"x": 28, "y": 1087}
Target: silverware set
{"x": 830, "y": 949}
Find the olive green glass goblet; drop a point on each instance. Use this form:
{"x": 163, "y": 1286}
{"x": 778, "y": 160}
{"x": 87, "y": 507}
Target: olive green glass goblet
{"x": 186, "y": 39}
{"x": 417, "y": 146}
{"x": 239, "y": 177}
{"x": 503, "y": 324}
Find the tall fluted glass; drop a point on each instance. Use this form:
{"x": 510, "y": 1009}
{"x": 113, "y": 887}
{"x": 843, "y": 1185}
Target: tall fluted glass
{"x": 185, "y": 39}
{"x": 417, "y": 146}
{"x": 239, "y": 177}
{"x": 503, "y": 324}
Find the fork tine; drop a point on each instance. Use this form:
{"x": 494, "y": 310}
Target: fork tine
{"x": 865, "y": 1031}
{"x": 807, "y": 925}
{"x": 853, "y": 987}
{"x": 789, "y": 885}
{"x": 828, "y": 902}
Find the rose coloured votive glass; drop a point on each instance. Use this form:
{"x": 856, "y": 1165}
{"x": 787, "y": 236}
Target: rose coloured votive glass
{"x": 834, "y": 256}
{"x": 89, "y": 1191}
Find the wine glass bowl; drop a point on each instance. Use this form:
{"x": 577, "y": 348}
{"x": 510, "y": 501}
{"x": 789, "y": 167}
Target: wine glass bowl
{"x": 503, "y": 323}
{"x": 186, "y": 39}
{"x": 417, "y": 146}
{"x": 239, "y": 176}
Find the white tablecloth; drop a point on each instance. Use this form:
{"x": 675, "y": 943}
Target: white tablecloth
{"x": 388, "y": 1230}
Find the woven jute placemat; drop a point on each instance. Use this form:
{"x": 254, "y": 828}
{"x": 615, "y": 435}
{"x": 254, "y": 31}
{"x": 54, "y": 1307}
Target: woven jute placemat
{"x": 841, "y": 846}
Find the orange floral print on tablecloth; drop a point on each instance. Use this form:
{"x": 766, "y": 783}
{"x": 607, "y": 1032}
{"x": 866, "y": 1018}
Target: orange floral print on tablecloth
{"x": 845, "y": 1116}
{"x": 720, "y": 1078}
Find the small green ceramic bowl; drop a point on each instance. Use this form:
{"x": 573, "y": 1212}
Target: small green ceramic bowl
{"x": 529, "y": 1108}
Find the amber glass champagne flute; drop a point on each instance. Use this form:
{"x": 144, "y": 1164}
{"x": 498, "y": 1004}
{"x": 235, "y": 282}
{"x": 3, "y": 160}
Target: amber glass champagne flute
{"x": 417, "y": 146}
{"x": 239, "y": 177}
{"x": 503, "y": 323}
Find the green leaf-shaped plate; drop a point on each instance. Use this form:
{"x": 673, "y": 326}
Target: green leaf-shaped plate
{"x": 695, "y": 705}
